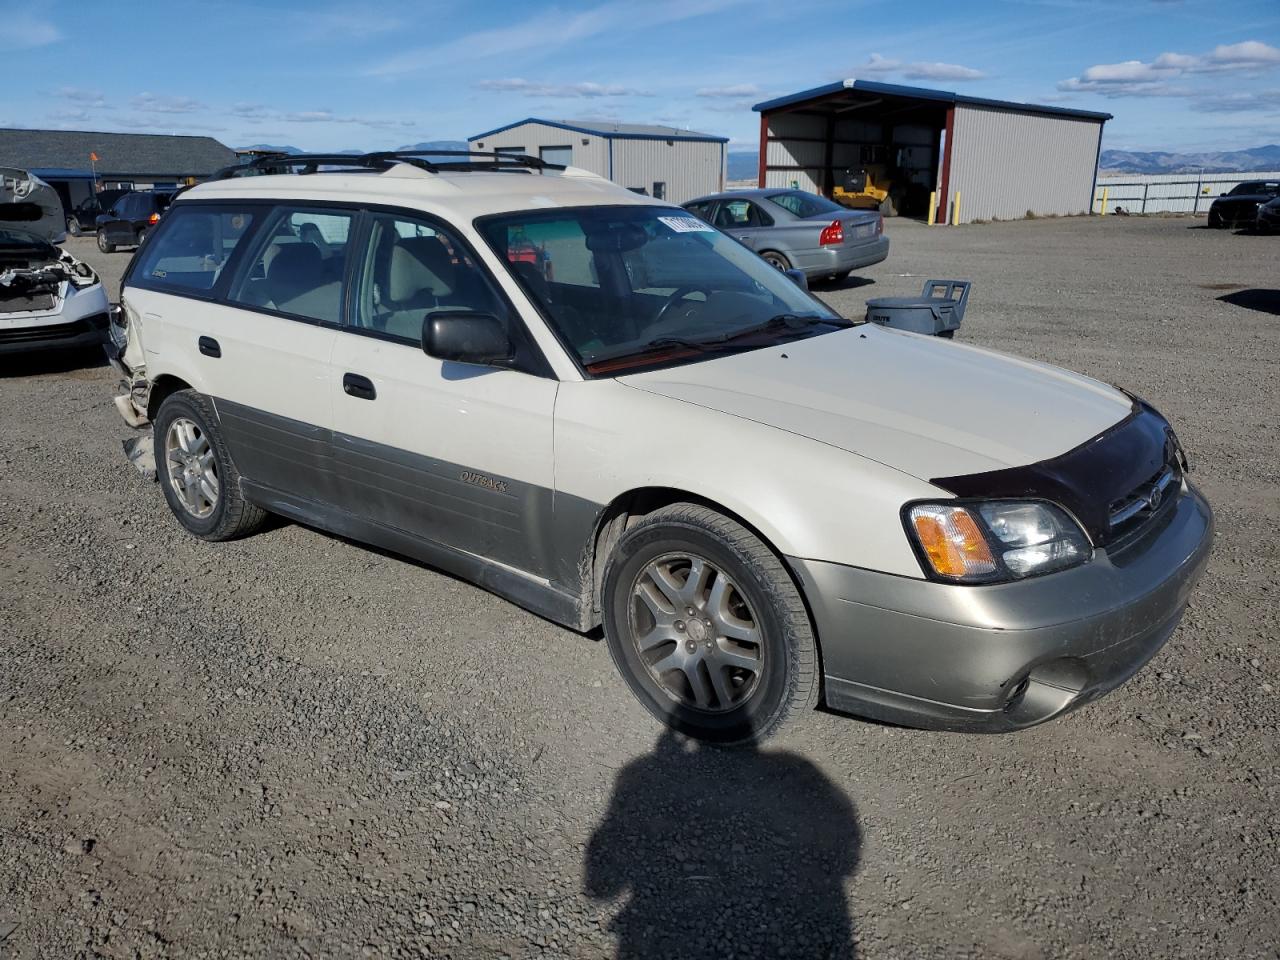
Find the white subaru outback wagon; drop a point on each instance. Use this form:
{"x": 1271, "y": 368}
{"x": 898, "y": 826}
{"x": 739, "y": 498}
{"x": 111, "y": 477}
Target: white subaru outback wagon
{"x": 608, "y": 412}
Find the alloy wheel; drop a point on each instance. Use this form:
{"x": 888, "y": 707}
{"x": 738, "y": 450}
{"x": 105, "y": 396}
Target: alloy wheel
{"x": 192, "y": 467}
{"x": 695, "y": 633}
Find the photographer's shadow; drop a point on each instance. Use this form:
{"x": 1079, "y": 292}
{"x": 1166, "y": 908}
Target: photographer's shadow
{"x": 726, "y": 853}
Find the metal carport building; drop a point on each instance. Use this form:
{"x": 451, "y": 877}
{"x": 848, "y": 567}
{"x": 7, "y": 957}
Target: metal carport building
{"x": 1002, "y": 159}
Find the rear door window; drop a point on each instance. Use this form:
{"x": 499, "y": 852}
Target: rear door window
{"x": 191, "y": 248}
{"x": 298, "y": 264}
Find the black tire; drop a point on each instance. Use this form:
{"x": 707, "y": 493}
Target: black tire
{"x": 841, "y": 277}
{"x": 73, "y": 227}
{"x": 142, "y": 236}
{"x": 787, "y": 681}
{"x": 1215, "y": 221}
{"x": 775, "y": 259}
{"x": 948, "y": 334}
{"x": 232, "y": 516}
{"x": 104, "y": 245}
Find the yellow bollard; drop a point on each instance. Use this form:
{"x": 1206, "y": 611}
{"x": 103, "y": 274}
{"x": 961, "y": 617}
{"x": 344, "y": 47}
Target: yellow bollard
{"x": 933, "y": 207}
{"x": 1105, "y": 191}
{"x": 955, "y": 210}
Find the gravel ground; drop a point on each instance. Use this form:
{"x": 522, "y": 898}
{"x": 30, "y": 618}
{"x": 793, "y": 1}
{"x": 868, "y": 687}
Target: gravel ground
{"x": 294, "y": 746}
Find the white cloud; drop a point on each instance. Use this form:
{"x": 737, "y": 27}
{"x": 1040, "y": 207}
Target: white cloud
{"x": 877, "y": 65}
{"x": 547, "y": 31}
{"x": 257, "y": 113}
{"x": 941, "y": 71}
{"x": 1265, "y": 101}
{"x": 152, "y": 103}
{"x": 22, "y": 31}
{"x": 530, "y": 88}
{"x": 1140, "y": 78}
{"x": 733, "y": 90}
{"x": 84, "y": 99}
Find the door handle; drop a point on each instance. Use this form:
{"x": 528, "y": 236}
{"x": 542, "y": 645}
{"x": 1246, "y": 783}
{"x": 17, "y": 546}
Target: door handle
{"x": 354, "y": 385}
{"x": 209, "y": 347}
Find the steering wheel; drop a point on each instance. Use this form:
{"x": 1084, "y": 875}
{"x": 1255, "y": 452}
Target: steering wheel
{"x": 677, "y": 295}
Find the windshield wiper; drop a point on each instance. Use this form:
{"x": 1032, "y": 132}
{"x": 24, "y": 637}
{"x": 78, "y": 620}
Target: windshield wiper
{"x": 723, "y": 343}
{"x": 657, "y": 346}
{"x": 783, "y": 321}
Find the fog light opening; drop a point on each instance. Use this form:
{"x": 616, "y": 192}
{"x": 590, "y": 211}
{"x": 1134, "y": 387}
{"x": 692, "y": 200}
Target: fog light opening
{"x": 1017, "y": 693}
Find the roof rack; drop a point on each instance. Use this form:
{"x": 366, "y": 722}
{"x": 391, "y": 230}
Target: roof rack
{"x": 308, "y": 163}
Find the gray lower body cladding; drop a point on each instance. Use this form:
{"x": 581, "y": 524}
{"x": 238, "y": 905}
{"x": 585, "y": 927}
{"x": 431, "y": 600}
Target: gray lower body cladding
{"x": 524, "y": 542}
{"x": 1007, "y": 656}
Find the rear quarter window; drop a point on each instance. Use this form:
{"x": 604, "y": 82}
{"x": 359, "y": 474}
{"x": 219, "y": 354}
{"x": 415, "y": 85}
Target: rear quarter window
{"x": 191, "y": 248}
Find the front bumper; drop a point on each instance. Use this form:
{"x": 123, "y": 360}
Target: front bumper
{"x": 989, "y": 659}
{"x": 77, "y": 319}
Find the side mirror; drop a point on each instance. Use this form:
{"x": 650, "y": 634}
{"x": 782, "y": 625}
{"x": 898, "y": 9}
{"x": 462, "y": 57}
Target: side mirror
{"x": 467, "y": 337}
{"x": 798, "y": 278}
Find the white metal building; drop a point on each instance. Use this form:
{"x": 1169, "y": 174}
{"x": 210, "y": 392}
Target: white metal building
{"x": 663, "y": 162}
{"x": 999, "y": 158}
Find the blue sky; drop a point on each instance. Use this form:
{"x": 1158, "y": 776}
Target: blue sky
{"x": 1177, "y": 74}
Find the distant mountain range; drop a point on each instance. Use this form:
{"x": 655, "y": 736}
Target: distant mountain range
{"x": 1229, "y": 161}
{"x": 743, "y": 164}
{"x": 424, "y": 147}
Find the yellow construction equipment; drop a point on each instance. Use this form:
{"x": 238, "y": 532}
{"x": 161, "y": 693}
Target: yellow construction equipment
{"x": 867, "y": 188}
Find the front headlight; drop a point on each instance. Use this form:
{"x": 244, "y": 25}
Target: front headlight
{"x": 994, "y": 540}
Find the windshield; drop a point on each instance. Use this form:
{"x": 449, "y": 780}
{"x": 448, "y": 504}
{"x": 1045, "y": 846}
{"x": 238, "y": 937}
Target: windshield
{"x": 633, "y": 286}
{"x": 14, "y": 239}
{"x": 803, "y": 204}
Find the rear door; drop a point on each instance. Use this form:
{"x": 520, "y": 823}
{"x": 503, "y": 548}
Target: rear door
{"x": 259, "y": 334}
{"x": 743, "y": 219}
{"x": 457, "y": 454}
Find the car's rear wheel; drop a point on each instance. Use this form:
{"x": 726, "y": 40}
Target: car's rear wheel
{"x": 73, "y": 226}
{"x": 199, "y": 479}
{"x": 775, "y": 259}
{"x": 707, "y": 627}
{"x": 105, "y": 245}
{"x": 142, "y": 236}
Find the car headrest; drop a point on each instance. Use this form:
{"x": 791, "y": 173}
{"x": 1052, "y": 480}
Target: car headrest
{"x": 419, "y": 264}
{"x": 295, "y": 267}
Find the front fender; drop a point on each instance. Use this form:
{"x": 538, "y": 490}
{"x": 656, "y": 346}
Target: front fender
{"x": 807, "y": 498}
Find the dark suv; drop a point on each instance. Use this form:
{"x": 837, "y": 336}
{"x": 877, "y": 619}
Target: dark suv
{"x": 127, "y": 222}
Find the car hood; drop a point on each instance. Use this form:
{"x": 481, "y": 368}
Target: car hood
{"x": 28, "y": 202}
{"x": 925, "y": 406}
{"x": 1246, "y": 198}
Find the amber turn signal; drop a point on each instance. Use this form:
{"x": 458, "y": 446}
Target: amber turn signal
{"x": 953, "y": 541}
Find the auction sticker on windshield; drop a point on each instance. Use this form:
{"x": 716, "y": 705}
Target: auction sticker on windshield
{"x": 687, "y": 225}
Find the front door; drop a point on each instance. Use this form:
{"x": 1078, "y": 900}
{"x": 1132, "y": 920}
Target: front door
{"x": 457, "y": 454}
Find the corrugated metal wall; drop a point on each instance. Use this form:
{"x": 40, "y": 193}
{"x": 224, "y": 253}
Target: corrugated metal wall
{"x": 593, "y": 155}
{"x": 688, "y": 168}
{"x": 1004, "y": 163}
{"x": 1168, "y": 192}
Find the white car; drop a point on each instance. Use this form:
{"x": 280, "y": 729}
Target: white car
{"x": 48, "y": 298}
{"x": 599, "y": 407}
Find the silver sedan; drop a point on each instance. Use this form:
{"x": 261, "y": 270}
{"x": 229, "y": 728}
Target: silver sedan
{"x": 792, "y": 229}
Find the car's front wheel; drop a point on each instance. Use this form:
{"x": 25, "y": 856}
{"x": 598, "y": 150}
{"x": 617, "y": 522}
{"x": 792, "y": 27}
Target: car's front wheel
{"x": 1215, "y": 220}
{"x": 73, "y": 226}
{"x": 707, "y": 627}
{"x": 104, "y": 244}
{"x": 199, "y": 479}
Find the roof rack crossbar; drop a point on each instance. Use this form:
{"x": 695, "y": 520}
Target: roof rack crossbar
{"x": 308, "y": 163}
